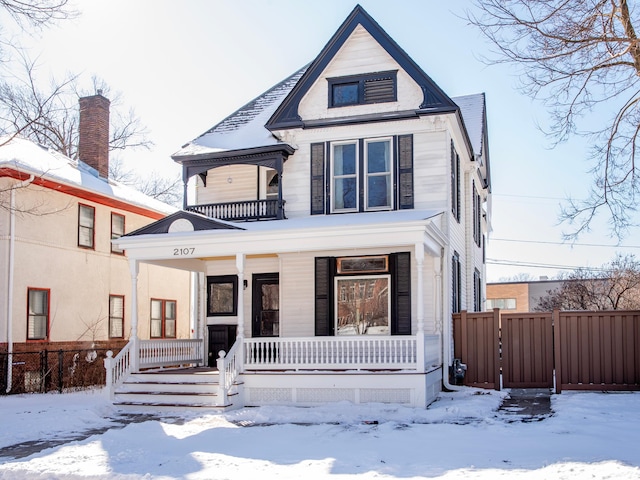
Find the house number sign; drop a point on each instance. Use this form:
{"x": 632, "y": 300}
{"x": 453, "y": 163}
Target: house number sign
{"x": 178, "y": 252}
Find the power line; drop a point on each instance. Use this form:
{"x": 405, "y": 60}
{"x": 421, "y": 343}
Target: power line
{"x": 515, "y": 263}
{"x": 563, "y": 243}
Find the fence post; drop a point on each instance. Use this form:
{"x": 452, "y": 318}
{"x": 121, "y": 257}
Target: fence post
{"x": 60, "y": 369}
{"x": 557, "y": 350}
{"x": 222, "y": 382}
{"x": 44, "y": 368}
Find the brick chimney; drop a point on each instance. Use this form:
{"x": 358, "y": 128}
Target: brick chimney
{"x": 93, "y": 144}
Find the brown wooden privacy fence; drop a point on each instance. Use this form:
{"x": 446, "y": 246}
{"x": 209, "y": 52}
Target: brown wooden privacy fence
{"x": 581, "y": 350}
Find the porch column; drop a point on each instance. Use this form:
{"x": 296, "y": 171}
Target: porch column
{"x": 240, "y": 267}
{"x": 202, "y": 314}
{"x": 420, "y": 357}
{"x": 279, "y": 165}
{"x": 133, "y": 338}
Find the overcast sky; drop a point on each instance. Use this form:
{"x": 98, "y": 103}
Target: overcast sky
{"x": 183, "y": 66}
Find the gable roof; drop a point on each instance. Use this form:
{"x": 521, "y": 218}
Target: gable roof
{"x": 434, "y": 99}
{"x": 21, "y": 157}
{"x": 248, "y": 127}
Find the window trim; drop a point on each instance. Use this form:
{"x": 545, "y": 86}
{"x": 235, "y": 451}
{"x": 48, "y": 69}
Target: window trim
{"x": 361, "y": 82}
{"x": 47, "y": 314}
{"x": 338, "y": 296}
{"x": 112, "y": 317}
{"x": 477, "y": 290}
{"x": 389, "y": 174}
{"x": 456, "y": 283}
{"x": 223, "y": 279}
{"x": 361, "y": 175}
{"x": 114, "y": 249}
{"x": 355, "y": 175}
{"x": 163, "y": 320}
{"x": 455, "y": 183}
{"x": 82, "y": 206}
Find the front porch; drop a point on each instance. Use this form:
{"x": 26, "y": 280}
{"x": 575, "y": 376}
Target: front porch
{"x": 277, "y": 371}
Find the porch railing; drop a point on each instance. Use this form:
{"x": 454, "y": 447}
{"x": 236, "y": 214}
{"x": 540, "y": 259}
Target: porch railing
{"x": 166, "y": 353}
{"x": 117, "y": 367}
{"x": 229, "y": 368}
{"x": 331, "y": 353}
{"x": 242, "y": 211}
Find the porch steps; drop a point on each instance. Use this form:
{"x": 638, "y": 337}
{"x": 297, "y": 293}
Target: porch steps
{"x": 178, "y": 389}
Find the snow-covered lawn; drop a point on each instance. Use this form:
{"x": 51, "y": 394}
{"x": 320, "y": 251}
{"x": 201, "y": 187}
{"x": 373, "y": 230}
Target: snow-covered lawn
{"x": 461, "y": 436}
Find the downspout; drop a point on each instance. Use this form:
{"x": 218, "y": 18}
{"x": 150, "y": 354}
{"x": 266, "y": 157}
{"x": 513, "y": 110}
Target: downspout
{"x": 12, "y": 241}
{"x": 447, "y": 329}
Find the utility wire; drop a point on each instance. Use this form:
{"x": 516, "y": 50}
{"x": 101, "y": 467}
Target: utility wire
{"x": 562, "y": 243}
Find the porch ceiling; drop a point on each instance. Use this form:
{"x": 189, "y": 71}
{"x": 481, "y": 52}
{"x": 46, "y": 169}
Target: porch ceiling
{"x": 314, "y": 233}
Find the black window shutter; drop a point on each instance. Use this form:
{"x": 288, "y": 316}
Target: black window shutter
{"x": 324, "y": 267}
{"x": 400, "y": 264}
{"x": 317, "y": 179}
{"x": 405, "y": 172}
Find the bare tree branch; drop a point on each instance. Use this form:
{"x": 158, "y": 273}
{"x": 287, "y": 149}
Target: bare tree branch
{"x": 581, "y": 59}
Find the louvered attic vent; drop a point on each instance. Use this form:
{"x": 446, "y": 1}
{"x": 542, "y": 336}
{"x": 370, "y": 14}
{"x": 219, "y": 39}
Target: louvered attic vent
{"x": 362, "y": 89}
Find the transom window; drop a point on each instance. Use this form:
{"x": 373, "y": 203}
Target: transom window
{"x": 363, "y": 89}
{"x": 86, "y": 223}
{"x": 354, "y": 190}
{"x": 163, "y": 318}
{"x": 37, "y": 314}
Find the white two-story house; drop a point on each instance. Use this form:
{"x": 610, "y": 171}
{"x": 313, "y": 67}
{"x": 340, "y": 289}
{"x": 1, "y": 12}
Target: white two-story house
{"x": 338, "y": 221}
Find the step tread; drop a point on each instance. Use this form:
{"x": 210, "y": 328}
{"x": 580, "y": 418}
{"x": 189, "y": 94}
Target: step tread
{"x": 177, "y": 405}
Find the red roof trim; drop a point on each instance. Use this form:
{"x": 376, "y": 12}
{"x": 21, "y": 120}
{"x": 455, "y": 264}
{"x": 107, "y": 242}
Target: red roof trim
{"x": 83, "y": 194}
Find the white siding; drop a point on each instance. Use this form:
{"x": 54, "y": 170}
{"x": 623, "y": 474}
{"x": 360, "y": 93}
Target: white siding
{"x": 228, "y": 184}
{"x": 360, "y": 54}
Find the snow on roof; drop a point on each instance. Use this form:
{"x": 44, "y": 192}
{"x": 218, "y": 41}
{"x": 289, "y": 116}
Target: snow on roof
{"x": 472, "y": 109}
{"x": 29, "y": 157}
{"x": 245, "y": 127}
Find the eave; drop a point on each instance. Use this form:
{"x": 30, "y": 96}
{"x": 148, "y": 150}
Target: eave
{"x": 77, "y": 192}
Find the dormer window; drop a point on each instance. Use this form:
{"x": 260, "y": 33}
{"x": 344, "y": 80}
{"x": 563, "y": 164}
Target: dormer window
{"x": 366, "y": 89}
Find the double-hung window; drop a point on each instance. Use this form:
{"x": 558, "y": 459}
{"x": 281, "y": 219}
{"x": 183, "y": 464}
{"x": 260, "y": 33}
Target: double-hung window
{"x": 86, "y": 226}
{"x": 378, "y": 173}
{"x": 345, "y": 177}
{"x": 362, "y": 177}
{"x": 163, "y": 318}
{"x": 116, "y": 316}
{"x": 37, "y": 314}
{"x": 117, "y": 230}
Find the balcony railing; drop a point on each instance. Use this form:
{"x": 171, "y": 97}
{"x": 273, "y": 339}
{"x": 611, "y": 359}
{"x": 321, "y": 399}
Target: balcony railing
{"x": 245, "y": 210}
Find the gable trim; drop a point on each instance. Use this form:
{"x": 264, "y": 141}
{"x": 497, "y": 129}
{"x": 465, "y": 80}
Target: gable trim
{"x": 286, "y": 115}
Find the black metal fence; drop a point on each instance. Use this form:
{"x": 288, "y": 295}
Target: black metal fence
{"x": 53, "y": 370}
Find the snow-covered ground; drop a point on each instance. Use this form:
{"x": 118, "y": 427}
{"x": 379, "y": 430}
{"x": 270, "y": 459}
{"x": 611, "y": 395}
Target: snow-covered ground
{"x": 460, "y": 436}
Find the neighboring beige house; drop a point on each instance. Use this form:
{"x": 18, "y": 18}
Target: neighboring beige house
{"x": 62, "y": 282}
{"x": 338, "y": 221}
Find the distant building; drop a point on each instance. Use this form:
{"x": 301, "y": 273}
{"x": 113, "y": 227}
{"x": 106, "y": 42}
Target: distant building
{"x": 519, "y": 296}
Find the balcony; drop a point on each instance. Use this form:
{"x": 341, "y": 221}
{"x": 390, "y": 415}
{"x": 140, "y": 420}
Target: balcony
{"x": 242, "y": 211}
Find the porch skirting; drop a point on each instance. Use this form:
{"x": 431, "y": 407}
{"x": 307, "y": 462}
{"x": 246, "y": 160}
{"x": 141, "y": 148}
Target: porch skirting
{"x": 316, "y": 387}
